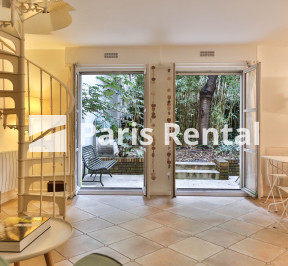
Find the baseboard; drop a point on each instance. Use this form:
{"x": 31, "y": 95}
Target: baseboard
{"x": 9, "y": 195}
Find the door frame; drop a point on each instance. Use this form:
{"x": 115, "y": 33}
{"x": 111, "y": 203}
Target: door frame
{"x": 257, "y": 67}
{"x": 81, "y": 70}
{"x": 232, "y": 69}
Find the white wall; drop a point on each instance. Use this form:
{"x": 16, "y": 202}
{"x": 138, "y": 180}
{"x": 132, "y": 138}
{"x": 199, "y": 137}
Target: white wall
{"x": 8, "y": 139}
{"x": 160, "y": 54}
{"x": 51, "y": 60}
{"x": 274, "y": 95}
{"x": 274, "y": 101}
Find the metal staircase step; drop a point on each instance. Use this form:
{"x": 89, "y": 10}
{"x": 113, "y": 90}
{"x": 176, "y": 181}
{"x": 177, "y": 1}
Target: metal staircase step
{"x": 4, "y": 52}
{"x": 29, "y": 180}
{"x": 47, "y": 177}
{"x": 8, "y": 111}
{"x": 60, "y": 200}
{"x": 45, "y": 158}
{"x": 197, "y": 174}
{"x": 8, "y": 73}
{"x": 11, "y": 32}
{"x": 47, "y": 196}
{"x": 8, "y": 93}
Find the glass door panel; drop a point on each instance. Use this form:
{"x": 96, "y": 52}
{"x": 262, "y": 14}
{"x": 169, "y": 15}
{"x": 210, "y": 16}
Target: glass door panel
{"x": 250, "y": 118}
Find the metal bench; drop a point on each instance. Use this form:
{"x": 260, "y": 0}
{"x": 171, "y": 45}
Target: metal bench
{"x": 94, "y": 164}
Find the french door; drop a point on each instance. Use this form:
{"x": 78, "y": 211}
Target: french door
{"x": 78, "y": 150}
{"x": 250, "y": 120}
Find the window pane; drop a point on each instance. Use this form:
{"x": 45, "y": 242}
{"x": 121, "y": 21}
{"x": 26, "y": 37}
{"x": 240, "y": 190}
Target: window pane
{"x": 250, "y": 119}
{"x": 250, "y": 171}
{"x": 251, "y": 89}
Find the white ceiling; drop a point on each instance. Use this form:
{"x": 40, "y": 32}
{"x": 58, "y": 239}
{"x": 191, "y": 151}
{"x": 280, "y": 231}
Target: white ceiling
{"x": 169, "y": 22}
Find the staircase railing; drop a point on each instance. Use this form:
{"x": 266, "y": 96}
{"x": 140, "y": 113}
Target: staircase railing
{"x": 52, "y": 97}
{"x": 60, "y": 92}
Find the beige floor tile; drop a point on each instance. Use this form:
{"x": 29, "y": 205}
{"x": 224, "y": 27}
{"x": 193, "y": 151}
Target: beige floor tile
{"x": 103, "y": 250}
{"x": 186, "y": 211}
{"x": 144, "y": 211}
{"x": 165, "y": 217}
{"x": 78, "y": 245}
{"x": 64, "y": 263}
{"x": 162, "y": 203}
{"x": 272, "y": 236}
{"x": 231, "y": 211}
{"x": 190, "y": 226}
{"x": 246, "y": 204}
{"x": 12, "y": 210}
{"x": 119, "y": 217}
{"x": 258, "y": 249}
{"x": 224, "y": 200}
{"x": 220, "y": 237}
{"x": 132, "y": 263}
{"x": 165, "y": 236}
{"x": 165, "y": 257}
{"x": 282, "y": 227}
{"x": 10, "y": 203}
{"x": 200, "y": 264}
{"x": 140, "y": 226}
{"x": 229, "y": 257}
{"x": 76, "y": 232}
{"x": 100, "y": 209}
{"x": 241, "y": 227}
{"x": 40, "y": 260}
{"x": 196, "y": 248}
{"x": 185, "y": 200}
{"x": 257, "y": 218}
{"x": 281, "y": 260}
{"x": 210, "y": 218}
{"x": 91, "y": 225}
{"x": 122, "y": 203}
{"x": 3, "y": 215}
{"x": 135, "y": 247}
{"x": 83, "y": 203}
{"x": 205, "y": 205}
{"x": 111, "y": 235}
{"x": 74, "y": 215}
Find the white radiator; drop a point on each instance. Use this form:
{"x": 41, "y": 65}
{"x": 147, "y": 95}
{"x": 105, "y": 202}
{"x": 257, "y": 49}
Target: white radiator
{"x": 8, "y": 171}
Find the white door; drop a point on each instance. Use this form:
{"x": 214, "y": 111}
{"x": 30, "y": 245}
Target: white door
{"x": 250, "y": 120}
{"x": 78, "y": 151}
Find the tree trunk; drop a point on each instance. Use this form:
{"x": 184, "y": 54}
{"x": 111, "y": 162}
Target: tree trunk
{"x": 206, "y": 95}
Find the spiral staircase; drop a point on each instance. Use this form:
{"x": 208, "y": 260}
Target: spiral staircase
{"x": 27, "y": 89}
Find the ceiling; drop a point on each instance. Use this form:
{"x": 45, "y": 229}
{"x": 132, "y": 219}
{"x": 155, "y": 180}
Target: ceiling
{"x": 169, "y": 22}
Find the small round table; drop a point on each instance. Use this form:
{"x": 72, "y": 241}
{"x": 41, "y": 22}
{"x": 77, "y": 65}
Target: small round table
{"x": 59, "y": 232}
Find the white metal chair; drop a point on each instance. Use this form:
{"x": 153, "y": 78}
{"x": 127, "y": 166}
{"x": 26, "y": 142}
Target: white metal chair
{"x": 284, "y": 202}
{"x": 274, "y": 181}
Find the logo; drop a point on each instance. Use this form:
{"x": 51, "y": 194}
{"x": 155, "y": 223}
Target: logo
{"x": 48, "y": 133}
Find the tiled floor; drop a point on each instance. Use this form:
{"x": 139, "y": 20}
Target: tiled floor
{"x": 220, "y": 231}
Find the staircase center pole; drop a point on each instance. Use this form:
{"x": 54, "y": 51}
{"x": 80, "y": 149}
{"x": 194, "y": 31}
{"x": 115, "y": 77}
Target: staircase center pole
{"x": 21, "y": 124}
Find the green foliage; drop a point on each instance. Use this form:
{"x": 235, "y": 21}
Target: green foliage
{"x": 231, "y": 151}
{"x": 225, "y": 103}
{"x": 116, "y": 101}
{"x": 225, "y": 108}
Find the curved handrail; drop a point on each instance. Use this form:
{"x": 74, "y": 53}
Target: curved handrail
{"x": 71, "y": 97}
